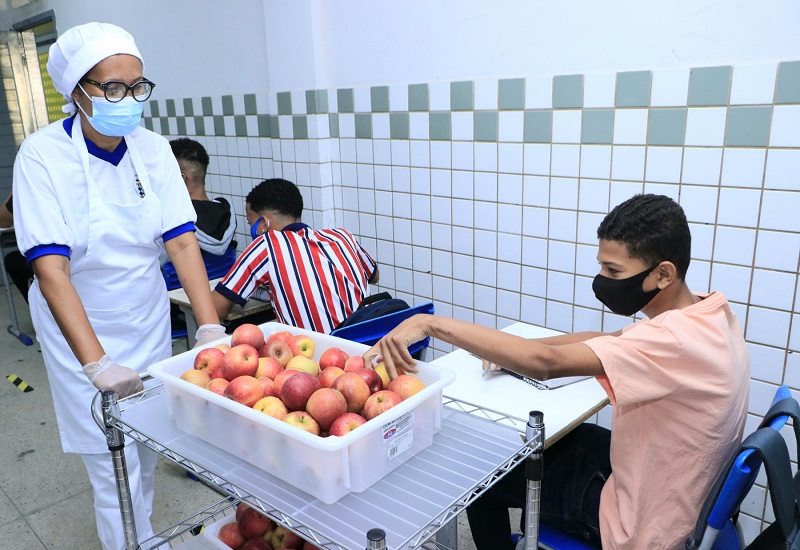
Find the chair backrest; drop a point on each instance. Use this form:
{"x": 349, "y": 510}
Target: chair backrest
{"x": 216, "y": 266}
{"x": 369, "y": 332}
{"x": 715, "y": 528}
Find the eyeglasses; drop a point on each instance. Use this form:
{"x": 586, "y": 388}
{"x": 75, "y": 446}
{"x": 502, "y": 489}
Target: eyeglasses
{"x": 115, "y": 91}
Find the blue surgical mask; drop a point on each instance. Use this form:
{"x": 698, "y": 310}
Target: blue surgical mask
{"x": 114, "y": 119}
{"x": 254, "y": 228}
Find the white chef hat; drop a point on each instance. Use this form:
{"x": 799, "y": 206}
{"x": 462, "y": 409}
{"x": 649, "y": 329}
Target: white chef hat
{"x": 81, "y": 48}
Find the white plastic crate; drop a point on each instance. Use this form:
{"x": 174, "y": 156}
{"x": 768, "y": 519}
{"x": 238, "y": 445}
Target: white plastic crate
{"x": 325, "y": 467}
{"x": 211, "y": 532}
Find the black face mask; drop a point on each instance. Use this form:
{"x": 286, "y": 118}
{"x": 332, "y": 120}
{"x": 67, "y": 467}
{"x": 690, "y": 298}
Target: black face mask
{"x": 624, "y": 296}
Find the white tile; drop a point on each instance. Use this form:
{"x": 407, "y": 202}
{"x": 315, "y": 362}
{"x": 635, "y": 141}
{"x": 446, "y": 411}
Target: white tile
{"x": 670, "y": 87}
{"x": 534, "y": 221}
{"x": 561, "y": 256}
{"x": 567, "y": 126}
{"x": 463, "y": 240}
{"x": 586, "y": 319}
{"x": 587, "y": 233}
{"x": 534, "y": 252}
{"x": 486, "y": 91}
{"x": 347, "y": 151}
{"x": 286, "y": 129}
{"x": 441, "y": 236}
{"x": 298, "y": 103}
{"x": 380, "y": 126}
{"x": 401, "y": 179}
{"x": 383, "y": 178}
{"x": 701, "y": 165}
{"x": 702, "y": 240}
{"x": 738, "y": 207}
{"x": 382, "y": 151}
{"x": 532, "y": 310}
{"x": 400, "y": 152}
{"x": 509, "y": 158}
{"x": 783, "y": 169}
{"x": 699, "y": 276}
{"x": 486, "y": 157}
{"x": 440, "y": 154}
{"x": 777, "y": 250}
{"x": 421, "y": 181}
{"x": 463, "y": 187}
{"x": 785, "y": 121}
{"x": 364, "y": 151}
{"x": 766, "y": 326}
{"x": 420, "y": 154}
{"x": 565, "y": 160}
{"x": 485, "y": 186}
{"x": 463, "y": 267}
{"x": 595, "y": 161}
{"x": 423, "y": 282}
{"x": 774, "y": 289}
{"x": 779, "y": 211}
{"x": 794, "y": 342}
{"x": 463, "y": 213}
{"x": 734, "y": 245}
{"x": 485, "y": 215}
{"x": 462, "y": 125}
{"x": 439, "y": 96}
{"x": 664, "y": 164}
{"x": 509, "y": 188}
{"x": 539, "y": 92}
{"x": 620, "y": 191}
{"x": 564, "y": 193}
{"x": 509, "y": 218}
{"x": 766, "y": 364}
{"x": 536, "y": 159}
{"x": 705, "y": 126}
{"x": 627, "y": 163}
{"x": 598, "y": 90}
{"x": 508, "y": 303}
{"x": 753, "y": 84}
{"x": 362, "y": 100}
{"x": 593, "y": 195}
{"x": 670, "y": 190}
{"x": 560, "y": 286}
{"x": 630, "y": 126}
{"x": 536, "y": 191}
{"x": 511, "y": 126}
{"x": 347, "y": 125}
{"x": 463, "y": 153}
{"x": 419, "y": 125}
{"x": 743, "y": 167}
{"x": 509, "y": 248}
{"x": 699, "y": 203}
{"x": 485, "y": 243}
{"x": 563, "y": 225}
{"x": 441, "y": 183}
{"x": 398, "y": 98}
{"x": 421, "y": 210}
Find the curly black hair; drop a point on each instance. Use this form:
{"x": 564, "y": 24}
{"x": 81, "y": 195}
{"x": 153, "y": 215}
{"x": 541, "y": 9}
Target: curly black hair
{"x": 653, "y": 228}
{"x": 191, "y": 151}
{"x": 276, "y": 195}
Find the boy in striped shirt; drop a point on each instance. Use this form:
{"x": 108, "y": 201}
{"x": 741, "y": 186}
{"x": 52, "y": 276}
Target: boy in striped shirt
{"x": 315, "y": 279}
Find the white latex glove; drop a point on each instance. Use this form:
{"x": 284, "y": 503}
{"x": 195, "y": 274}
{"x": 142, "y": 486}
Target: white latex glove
{"x": 208, "y": 333}
{"x": 105, "y": 374}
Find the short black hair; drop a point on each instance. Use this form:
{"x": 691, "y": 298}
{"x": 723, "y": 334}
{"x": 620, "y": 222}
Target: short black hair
{"x": 191, "y": 151}
{"x": 653, "y": 228}
{"x": 276, "y": 195}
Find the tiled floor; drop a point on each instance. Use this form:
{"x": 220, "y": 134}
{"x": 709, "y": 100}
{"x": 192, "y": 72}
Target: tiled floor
{"x": 45, "y": 497}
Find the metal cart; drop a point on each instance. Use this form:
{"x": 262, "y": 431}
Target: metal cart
{"x": 414, "y": 506}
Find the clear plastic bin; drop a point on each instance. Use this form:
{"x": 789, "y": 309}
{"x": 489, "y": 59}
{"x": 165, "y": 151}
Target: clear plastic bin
{"x": 325, "y": 467}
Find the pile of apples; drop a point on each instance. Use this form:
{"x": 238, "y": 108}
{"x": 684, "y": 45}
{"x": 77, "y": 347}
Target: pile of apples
{"x": 252, "y": 530}
{"x": 279, "y": 377}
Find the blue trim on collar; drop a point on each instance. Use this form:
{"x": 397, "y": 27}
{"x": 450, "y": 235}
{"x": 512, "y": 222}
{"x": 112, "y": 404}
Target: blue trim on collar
{"x": 296, "y": 226}
{"x": 114, "y": 157}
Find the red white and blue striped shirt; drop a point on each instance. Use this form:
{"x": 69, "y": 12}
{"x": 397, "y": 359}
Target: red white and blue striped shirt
{"x": 315, "y": 279}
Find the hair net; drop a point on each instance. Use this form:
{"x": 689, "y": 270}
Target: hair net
{"x": 81, "y": 48}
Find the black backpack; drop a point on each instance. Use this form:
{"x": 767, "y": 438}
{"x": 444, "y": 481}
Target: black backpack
{"x": 373, "y": 307}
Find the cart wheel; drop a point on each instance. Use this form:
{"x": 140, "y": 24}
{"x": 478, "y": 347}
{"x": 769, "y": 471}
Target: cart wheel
{"x": 22, "y": 337}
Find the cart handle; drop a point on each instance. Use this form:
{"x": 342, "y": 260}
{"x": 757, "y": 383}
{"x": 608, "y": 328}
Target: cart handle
{"x": 97, "y": 404}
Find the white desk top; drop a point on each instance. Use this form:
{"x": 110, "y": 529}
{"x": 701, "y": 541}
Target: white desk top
{"x": 178, "y": 297}
{"x": 563, "y": 408}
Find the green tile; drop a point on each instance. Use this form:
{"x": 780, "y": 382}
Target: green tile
{"x": 788, "y": 85}
{"x": 250, "y": 106}
{"x": 240, "y": 125}
{"x": 199, "y": 126}
{"x": 398, "y": 126}
{"x": 181, "y": 121}
{"x": 748, "y": 126}
{"x": 208, "y": 106}
{"x": 418, "y": 97}
{"x": 300, "y": 126}
{"x": 461, "y": 96}
{"x": 633, "y": 89}
{"x": 568, "y": 91}
{"x": 333, "y": 124}
{"x": 597, "y": 126}
{"x": 485, "y": 125}
{"x": 164, "y": 124}
{"x": 512, "y": 94}
{"x": 284, "y": 103}
{"x": 364, "y": 125}
{"x": 440, "y": 127}
{"x": 154, "y": 109}
{"x": 148, "y": 123}
{"x": 264, "y": 126}
{"x": 219, "y": 125}
{"x": 227, "y": 105}
{"x": 322, "y": 101}
{"x": 666, "y": 127}
{"x": 188, "y": 107}
{"x": 538, "y": 126}
{"x": 274, "y": 127}
{"x": 311, "y": 102}
{"x": 344, "y": 98}
{"x": 379, "y": 96}
{"x": 709, "y": 86}
{"x": 171, "y": 108}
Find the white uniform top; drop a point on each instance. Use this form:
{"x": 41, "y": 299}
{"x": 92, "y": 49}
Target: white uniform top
{"x": 105, "y": 212}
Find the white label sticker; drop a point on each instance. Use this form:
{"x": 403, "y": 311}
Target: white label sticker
{"x": 400, "y": 444}
{"x": 398, "y": 434}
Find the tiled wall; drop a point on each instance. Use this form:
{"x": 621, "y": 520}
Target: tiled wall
{"x": 484, "y": 196}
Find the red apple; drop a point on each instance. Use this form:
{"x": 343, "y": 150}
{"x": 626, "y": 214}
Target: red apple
{"x": 240, "y": 510}
{"x": 278, "y": 350}
{"x": 379, "y": 402}
{"x": 327, "y": 376}
{"x": 354, "y": 389}
{"x": 380, "y": 368}
{"x": 253, "y": 523}
{"x": 241, "y": 360}
{"x": 406, "y": 385}
{"x": 302, "y": 420}
{"x": 303, "y": 363}
{"x": 223, "y": 347}
{"x": 230, "y": 536}
{"x": 333, "y": 357}
{"x": 346, "y": 424}
{"x": 372, "y": 379}
{"x": 218, "y": 385}
{"x": 245, "y": 390}
{"x": 283, "y": 335}
{"x": 267, "y": 384}
{"x": 302, "y": 345}
{"x": 247, "y": 333}
{"x": 272, "y": 406}
{"x": 296, "y": 390}
{"x": 269, "y": 367}
{"x": 354, "y": 363}
{"x": 215, "y": 371}
{"x": 208, "y": 357}
{"x": 256, "y": 544}
{"x": 284, "y": 539}
{"x": 280, "y": 378}
{"x": 326, "y": 405}
{"x": 196, "y": 377}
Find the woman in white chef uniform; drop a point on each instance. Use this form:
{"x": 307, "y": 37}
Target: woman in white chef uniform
{"x": 93, "y": 194}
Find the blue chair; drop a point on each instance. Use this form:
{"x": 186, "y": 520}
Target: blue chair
{"x": 369, "y": 332}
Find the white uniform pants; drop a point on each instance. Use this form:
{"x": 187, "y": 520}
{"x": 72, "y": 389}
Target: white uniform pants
{"x": 141, "y": 465}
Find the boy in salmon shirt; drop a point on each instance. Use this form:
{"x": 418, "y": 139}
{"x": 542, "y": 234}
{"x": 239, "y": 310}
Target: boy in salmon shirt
{"x": 678, "y": 382}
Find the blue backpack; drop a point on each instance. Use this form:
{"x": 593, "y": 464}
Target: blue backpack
{"x": 373, "y": 307}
